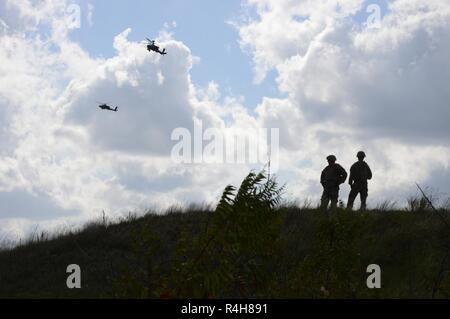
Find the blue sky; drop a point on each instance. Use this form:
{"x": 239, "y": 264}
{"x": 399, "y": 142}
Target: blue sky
{"x": 201, "y": 24}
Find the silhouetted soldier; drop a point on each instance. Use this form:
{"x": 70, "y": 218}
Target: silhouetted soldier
{"x": 332, "y": 176}
{"x": 359, "y": 174}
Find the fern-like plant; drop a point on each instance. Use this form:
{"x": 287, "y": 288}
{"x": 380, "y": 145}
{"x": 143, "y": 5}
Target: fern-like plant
{"x": 233, "y": 255}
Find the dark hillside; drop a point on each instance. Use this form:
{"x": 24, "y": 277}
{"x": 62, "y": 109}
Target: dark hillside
{"x": 249, "y": 246}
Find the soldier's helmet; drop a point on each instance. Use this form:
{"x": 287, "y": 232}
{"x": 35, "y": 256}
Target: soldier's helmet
{"x": 331, "y": 158}
{"x": 361, "y": 154}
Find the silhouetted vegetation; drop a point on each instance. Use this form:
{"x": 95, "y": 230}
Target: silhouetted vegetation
{"x": 249, "y": 246}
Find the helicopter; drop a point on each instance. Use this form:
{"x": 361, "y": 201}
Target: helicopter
{"x": 151, "y": 46}
{"x": 105, "y": 106}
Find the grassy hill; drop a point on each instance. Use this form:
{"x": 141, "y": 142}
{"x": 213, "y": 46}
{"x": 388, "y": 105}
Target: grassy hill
{"x": 250, "y": 246}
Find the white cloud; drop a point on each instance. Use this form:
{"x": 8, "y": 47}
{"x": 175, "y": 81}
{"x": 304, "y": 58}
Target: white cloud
{"x": 286, "y": 28}
{"x": 149, "y": 108}
{"x": 348, "y": 88}
{"x": 74, "y": 156}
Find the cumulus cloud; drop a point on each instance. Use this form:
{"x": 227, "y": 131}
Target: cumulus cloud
{"x": 351, "y": 87}
{"x": 64, "y": 156}
{"x": 347, "y": 87}
{"x": 153, "y": 96}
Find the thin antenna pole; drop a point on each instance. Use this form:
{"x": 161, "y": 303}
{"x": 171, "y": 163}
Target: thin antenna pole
{"x": 432, "y": 206}
{"x": 268, "y": 166}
